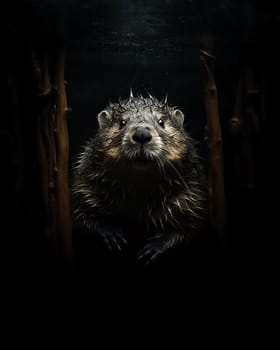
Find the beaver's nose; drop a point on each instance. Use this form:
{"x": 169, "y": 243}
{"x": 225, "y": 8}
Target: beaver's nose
{"x": 142, "y": 136}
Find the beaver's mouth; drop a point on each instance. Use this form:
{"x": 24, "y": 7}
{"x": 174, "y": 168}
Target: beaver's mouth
{"x": 143, "y": 156}
{"x": 142, "y": 159}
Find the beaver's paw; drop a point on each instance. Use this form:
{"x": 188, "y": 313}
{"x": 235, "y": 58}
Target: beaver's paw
{"x": 152, "y": 250}
{"x": 112, "y": 236}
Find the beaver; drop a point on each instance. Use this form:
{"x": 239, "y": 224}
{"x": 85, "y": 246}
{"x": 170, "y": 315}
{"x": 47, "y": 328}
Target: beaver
{"x": 140, "y": 175}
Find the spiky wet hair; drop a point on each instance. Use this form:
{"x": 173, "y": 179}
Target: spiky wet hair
{"x": 138, "y": 104}
{"x": 134, "y": 104}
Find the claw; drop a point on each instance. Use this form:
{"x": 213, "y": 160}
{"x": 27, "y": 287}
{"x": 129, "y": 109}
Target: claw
{"x": 121, "y": 238}
{"x": 148, "y": 254}
{"x": 112, "y": 238}
{"x": 107, "y": 242}
{"x": 154, "y": 249}
{"x": 116, "y": 243}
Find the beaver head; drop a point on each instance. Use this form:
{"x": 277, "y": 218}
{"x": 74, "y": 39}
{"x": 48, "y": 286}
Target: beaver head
{"x": 142, "y": 131}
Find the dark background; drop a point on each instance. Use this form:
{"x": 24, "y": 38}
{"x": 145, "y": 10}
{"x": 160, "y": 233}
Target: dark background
{"x": 112, "y": 46}
{"x": 154, "y": 46}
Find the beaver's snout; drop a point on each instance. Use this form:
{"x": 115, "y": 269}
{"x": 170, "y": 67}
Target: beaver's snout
{"x": 142, "y": 135}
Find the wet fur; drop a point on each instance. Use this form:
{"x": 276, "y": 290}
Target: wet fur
{"x": 163, "y": 196}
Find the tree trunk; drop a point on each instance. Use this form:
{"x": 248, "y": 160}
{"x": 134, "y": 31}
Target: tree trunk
{"x": 251, "y": 126}
{"x": 215, "y": 146}
{"x": 244, "y": 126}
{"x": 64, "y": 221}
{"x": 53, "y": 154}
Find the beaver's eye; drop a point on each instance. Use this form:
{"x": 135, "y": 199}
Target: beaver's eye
{"x": 161, "y": 123}
{"x": 122, "y": 123}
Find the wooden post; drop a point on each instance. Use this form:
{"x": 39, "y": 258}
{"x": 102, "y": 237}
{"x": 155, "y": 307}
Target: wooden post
{"x": 236, "y": 126}
{"x": 46, "y": 149}
{"x": 64, "y": 221}
{"x": 215, "y": 143}
{"x": 251, "y": 126}
{"x": 244, "y": 126}
{"x": 53, "y": 154}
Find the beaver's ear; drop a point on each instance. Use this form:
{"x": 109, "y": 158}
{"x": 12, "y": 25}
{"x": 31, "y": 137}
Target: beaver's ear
{"x": 177, "y": 116}
{"x": 104, "y": 119}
